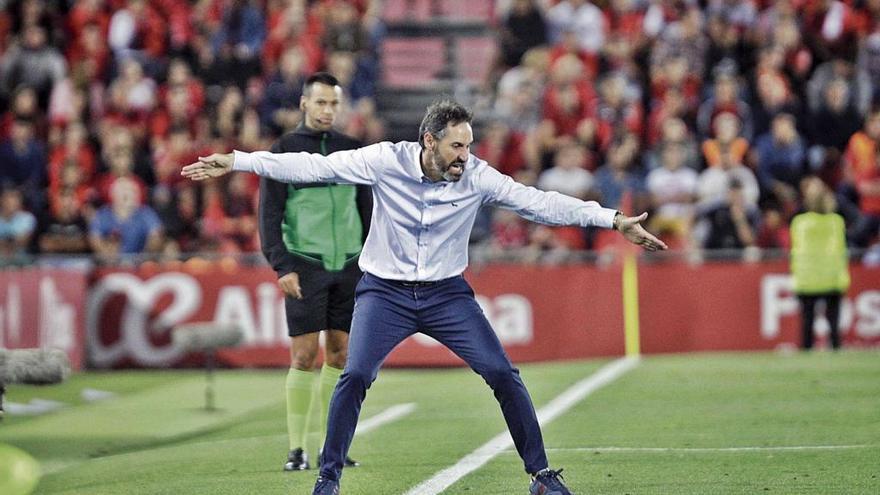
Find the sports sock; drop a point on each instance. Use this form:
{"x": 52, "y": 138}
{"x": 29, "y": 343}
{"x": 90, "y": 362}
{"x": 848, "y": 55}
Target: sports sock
{"x": 326, "y": 385}
{"x": 299, "y": 393}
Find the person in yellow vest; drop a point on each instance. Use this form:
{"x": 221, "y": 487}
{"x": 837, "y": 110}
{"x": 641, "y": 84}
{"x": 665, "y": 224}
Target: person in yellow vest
{"x": 819, "y": 260}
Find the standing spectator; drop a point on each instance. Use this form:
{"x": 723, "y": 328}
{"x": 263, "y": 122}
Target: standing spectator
{"x": 64, "y": 230}
{"x": 683, "y": 37}
{"x": 725, "y": 99}
{"x": 279, "y": 111}
{"x": 24, "y": 105}
{"x": 33, "y": 63}
{"x": 728, "y": 142}
{"x": 674, "y": 130}
{"x": 178, "y": 210}
{"x": 74, "y": 147}
{"x": 240, "y": 38}
{"x": 731, "y": 224}
{"x": 829, "y": 129}
{"x": 714, "y": 182}
{"x": 581, "y": 17}
{"x": 819, "y": 261}
{"x": 23, "y": 162}
{"x": 830, "y": 29}
{"x": 862, "y": 170}
{"x": 673, "y": 191}
{"x": 343, "y": 30}
{"x": 520, "y": 91}
{"x": 568, "y": 174}
{"x": 860, "y": 85}
{"x": 618, "y": 111}
{"x": 522, "y": 29}
{"x": 16, "y": 225}
{"x": 617, "y": 177}
{"x": 502, "y": 147}
{"x": 869, "y": 61}
{"x": 779, "y": 158}
{"x": 773, "y": 95}
{"x": 137, "y": 30}
{"x": 125, "y": 226}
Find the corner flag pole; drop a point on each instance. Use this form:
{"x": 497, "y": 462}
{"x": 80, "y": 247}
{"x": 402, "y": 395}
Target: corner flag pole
{"x": 631, "y": 305}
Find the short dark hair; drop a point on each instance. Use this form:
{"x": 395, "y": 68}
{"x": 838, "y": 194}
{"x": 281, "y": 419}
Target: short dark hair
{"x": 325, "y": 78}
{"x": 440, "y": 114}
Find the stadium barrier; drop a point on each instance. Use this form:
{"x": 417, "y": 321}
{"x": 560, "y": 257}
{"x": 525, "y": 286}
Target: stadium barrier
{"x": 44, "y": 307}
{"x": 124, "y": 316}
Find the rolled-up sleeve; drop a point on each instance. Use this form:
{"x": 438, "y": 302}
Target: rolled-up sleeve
{"x": 548, "y": 207}
{"x": 343, "y": 167}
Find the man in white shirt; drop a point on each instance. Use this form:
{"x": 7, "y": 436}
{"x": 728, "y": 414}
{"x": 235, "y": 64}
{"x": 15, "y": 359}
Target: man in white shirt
{"x": 568, "y": 175}
{"x": 426, "y": 196}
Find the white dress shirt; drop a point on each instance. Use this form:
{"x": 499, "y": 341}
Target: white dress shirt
{"x": 420, "y": 229}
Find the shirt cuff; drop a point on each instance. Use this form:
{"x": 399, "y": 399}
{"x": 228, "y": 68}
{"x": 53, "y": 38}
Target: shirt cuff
{"x": 242, "y": 162}
{"x": 605, "y": 218}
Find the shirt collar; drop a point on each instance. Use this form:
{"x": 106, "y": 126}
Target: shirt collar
{"x": 416, "y": 167}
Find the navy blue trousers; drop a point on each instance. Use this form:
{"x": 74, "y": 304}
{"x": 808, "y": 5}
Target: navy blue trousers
{"x": 387, "y": 312}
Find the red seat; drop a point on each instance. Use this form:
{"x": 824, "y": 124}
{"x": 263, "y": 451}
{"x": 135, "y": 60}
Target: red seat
{"x": 412, "y": 62}
{"x": 475, "y": 57}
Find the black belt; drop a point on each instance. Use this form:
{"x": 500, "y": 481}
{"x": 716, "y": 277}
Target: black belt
{"x": 407, "y": 283}
{"x": 415, "y": 283}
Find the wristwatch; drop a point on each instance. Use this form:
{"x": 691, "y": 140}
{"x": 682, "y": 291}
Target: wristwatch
{"x": 615, "y": 222}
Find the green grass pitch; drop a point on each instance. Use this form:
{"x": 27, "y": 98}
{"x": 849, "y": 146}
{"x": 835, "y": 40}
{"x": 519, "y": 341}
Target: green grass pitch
{"x": 744, "y": 423}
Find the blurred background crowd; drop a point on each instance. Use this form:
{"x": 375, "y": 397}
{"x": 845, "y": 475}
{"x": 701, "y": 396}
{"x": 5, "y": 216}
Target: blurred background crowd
{"x": 709, "y": 114}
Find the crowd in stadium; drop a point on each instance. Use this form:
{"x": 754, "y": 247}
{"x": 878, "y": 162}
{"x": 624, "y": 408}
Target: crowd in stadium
{"x": 708, "y": 114}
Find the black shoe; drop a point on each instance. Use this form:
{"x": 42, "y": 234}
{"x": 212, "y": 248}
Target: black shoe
{"x": 349, "y": 462}
{"x": 297, "y": 460}
{"x": 548, "y": 482}
{"x": 326, "y": 487}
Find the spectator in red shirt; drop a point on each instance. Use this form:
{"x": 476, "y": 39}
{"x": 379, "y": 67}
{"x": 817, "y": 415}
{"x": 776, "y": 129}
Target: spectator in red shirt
{"x": 502, "y": 148}
{"x": 862, "y": 169}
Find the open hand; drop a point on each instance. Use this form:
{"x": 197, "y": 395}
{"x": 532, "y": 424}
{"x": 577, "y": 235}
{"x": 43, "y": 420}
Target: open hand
{"x": 633, "y": 231}
{"x": 216, "y": 165}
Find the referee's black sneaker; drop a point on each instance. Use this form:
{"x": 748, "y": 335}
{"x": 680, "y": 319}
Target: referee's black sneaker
{"x": 326, "y": 487}
{"x": 297, "y": 460}
{"x": 548, "y": 482}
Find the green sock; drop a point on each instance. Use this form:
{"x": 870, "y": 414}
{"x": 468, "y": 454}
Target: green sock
{"x": 299, "y": 393}
{"x": 326, "y": 385}
{"x": 312, "y": 437}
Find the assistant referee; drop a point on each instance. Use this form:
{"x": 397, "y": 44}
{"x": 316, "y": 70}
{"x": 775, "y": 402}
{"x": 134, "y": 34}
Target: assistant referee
{"x": 312, "y": 235}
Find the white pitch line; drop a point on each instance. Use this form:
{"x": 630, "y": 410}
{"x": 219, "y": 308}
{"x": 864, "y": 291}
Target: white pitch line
{"x": 558, "y": 406}
{"x": 389, "y": 415}
{"x": 781, "y": 448}
{"x": 393, "y": 413}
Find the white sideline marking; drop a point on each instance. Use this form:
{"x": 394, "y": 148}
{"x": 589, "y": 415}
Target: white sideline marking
{"x": 558, "y": 406}
{"x": 389, "y": 415}
{"x": 393, "y": 413}
{"x": 709, "y": 449}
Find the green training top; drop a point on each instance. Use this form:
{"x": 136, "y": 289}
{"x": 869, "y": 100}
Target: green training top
{"x": 322, "y": 222}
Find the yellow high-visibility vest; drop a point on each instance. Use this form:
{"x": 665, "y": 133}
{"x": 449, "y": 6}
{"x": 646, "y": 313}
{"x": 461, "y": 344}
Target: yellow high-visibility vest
{"x": 819, "y": 261}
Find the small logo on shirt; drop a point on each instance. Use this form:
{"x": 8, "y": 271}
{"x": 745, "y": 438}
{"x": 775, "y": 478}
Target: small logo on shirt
{"x": 453, "y": 203}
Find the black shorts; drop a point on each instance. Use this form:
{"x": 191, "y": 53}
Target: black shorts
{"x": 328, "y": 299}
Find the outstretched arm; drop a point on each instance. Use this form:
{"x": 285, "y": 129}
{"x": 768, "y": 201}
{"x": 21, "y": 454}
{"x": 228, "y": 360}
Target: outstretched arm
{"x": 349, "y": 166}
{"x": 553, "y": 208}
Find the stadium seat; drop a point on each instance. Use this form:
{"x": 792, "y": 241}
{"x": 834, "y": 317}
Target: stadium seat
{"x": 412, "y": 62}
{"x": 474, "y": 57}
